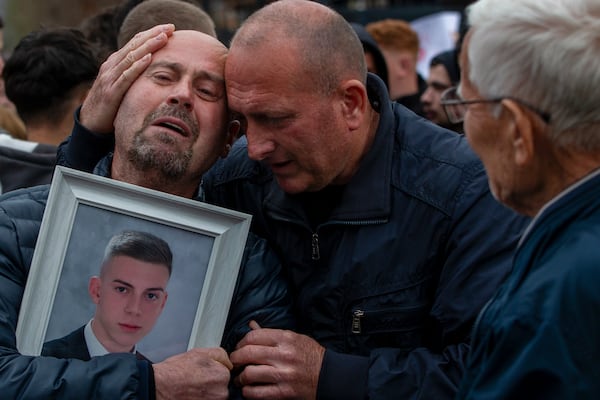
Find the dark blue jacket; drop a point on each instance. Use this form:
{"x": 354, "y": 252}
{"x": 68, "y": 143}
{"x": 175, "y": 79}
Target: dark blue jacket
{"x": 540, "y": 336}
{"x": 392, "y": 282}
{"x": 260, "y": 294}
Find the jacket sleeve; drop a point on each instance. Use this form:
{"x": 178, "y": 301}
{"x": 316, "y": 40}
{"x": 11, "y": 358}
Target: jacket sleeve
{"x": 261, "y": 294}
{"x": 115, "y": 376}
{"x": 477, "y": 257}
{"x": 83, "y": 148}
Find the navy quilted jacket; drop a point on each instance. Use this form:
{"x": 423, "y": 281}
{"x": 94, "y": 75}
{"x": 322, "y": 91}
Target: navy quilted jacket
{"x": 260, "y": 294}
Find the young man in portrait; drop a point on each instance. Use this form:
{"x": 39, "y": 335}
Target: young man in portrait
{"x": 130, "y": 293}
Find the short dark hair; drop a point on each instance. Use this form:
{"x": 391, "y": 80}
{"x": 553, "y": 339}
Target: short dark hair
{"x": 44, "y": 68}
{"x": 141, "y": 246}
{"x": 185, "y": 16}
{"x": 101, "y": 29}
{"x": 449, "y": 60}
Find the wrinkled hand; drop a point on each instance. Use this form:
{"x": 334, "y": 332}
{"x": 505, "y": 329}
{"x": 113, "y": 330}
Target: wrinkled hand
{"x": 117, "y": 74}
{"x": 278, "y": 364}
{"x": 195, "y": 374}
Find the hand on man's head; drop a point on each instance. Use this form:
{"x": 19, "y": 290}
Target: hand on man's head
{"x": 117, "y": 74}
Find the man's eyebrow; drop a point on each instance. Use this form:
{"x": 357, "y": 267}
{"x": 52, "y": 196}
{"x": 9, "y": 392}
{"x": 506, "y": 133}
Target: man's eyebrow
{"x": 122, "y": 282}
{"x": 178, "y": 67}
{"x": 439, "y": 84}
{"x": 205, "y": 75}
{"x": 166, "y": 64}
{"x": 131, "y": 286}
{"x": 154, "y": 289}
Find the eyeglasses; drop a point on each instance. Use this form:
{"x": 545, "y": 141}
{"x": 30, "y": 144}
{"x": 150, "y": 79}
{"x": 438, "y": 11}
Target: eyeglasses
{"x": 455, "y": 106}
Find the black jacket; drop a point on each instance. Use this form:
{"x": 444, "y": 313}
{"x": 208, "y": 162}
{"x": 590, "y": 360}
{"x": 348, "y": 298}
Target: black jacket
{"x": 72, "y": 345}
{"x": 393, "y": 280}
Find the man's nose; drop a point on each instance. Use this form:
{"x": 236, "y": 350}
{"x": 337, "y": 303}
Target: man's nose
{"x": 426, "y": 96}
{"x": 260, "y": 144}
{"x": 181, "y": 95}
{"x": 133, "y": 305}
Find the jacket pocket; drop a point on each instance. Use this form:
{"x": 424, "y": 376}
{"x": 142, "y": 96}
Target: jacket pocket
{"x": 402, "y": 327}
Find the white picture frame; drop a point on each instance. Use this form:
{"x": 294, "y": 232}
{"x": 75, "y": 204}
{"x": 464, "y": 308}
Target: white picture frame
{"x": 82, "y": 212}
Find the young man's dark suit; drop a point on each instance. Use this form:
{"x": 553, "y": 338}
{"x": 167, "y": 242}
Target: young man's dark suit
{"x": 73, "y": 345}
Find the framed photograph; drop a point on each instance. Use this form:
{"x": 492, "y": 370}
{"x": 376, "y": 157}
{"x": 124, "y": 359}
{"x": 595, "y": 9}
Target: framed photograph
{"x": 83, "y": 213}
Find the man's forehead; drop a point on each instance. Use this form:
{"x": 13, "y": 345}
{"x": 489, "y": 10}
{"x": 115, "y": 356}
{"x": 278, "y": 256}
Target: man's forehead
{"x": 123, "y": 265}
{"x": 156, "y": 284}
{"x": 210, "y": 71}
{"x": 438, "y": 73}
{"x": 196, "y": 36}
{"x": 193, "y": 46}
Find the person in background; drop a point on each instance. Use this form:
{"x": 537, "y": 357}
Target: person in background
{"x": 11, "y": 126}
{"x": 171, "y": 123}
{"x": 391, "y": 243}
{"x": 46, "y": 78}
{"x": 444, "y": 73}
{"x": 4, "y": 101}
{"x": 102, "y": 29}
{"x": 400, "y": 46}
{"x": 373, "y": 56}
{"x": 529, "y": 95}
{"x": 185, "y": 16}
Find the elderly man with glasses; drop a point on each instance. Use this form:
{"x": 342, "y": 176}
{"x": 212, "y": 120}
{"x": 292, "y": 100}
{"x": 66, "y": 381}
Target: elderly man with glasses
{"x": 529, "y": 98}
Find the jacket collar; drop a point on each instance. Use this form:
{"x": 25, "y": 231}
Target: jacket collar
{"x": 103, "y": 166}
{"x": 565, "y": 207}
{"x": 367, "y": 196}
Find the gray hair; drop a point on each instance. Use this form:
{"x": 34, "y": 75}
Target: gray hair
{"x": 545, "y": 53}
{"x": 141, "y": 246}
{"x": 329, "y": 49}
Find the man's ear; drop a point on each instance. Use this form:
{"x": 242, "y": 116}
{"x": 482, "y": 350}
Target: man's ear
{"x": 524, "y": 129}
{"x": 94, "y": 289}
{"x": 354, "y": 102}
{"x": 233, "y": 130}
{"x": 406, "y": 64}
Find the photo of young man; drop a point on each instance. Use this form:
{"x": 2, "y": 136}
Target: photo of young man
{"x": 129, "y": 294}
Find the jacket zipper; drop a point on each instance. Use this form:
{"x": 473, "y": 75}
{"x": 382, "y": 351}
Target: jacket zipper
{"x": 356, "y": 318}
{"x": 315, "y": 249}
{"x": 316, "y": 254}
